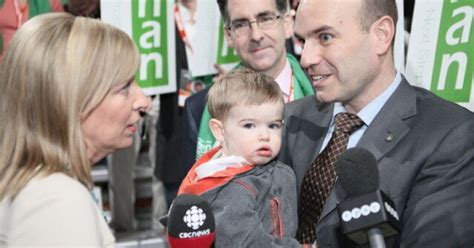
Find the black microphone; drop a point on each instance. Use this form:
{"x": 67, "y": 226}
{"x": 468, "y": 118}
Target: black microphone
{"x": 368, "y": 215}
{"x": 190, "y": 222}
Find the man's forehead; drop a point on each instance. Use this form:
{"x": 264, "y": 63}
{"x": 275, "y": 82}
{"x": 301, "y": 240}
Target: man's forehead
{"x": 247, "y": 9}
{"x": 305, "y": 19}
{"x": 328, "y": 6}
{"x": 313, "y": 15}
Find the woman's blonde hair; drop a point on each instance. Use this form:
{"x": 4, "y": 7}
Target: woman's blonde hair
{"x": 57, "y": 69}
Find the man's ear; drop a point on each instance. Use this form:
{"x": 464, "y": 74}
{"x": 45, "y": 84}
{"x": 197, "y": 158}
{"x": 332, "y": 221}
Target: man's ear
{"x": 217, "y": 129}
{"x": 228, "y": 38}
{"x": 384, "y": 31}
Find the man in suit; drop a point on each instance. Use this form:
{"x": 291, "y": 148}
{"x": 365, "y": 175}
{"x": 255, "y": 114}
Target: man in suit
{"x": 257, "y": 29}
{"x": 169, "y": 136}
{"x": 424, "y": 146}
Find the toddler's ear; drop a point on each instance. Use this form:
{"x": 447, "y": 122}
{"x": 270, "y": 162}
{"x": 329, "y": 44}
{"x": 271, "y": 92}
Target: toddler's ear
{"x": 217, "y": 129}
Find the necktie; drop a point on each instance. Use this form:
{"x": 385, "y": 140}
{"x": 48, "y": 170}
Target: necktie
{"x": 320, "y": 177}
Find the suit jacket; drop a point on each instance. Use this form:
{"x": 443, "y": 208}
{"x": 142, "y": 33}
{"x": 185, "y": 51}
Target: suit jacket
{"x": 426, "y": 167}
{"x": 193, "y": 109}
{"x": 169, "y": 135}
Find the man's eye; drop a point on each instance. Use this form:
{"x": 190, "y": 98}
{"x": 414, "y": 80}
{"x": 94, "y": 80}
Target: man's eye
{"x": 238, "y": 25}
{"x": 325, "y": 37}
{"x": 264, "y": 19}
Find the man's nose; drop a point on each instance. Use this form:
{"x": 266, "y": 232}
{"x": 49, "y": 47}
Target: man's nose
{"x": 311, "y": 55}
{"x": 256, "y": 32}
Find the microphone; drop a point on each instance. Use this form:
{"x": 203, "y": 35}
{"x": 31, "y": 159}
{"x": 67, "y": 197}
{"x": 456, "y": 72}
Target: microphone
{"x": 368, "y": 215}
{"x": 190, "y": 222}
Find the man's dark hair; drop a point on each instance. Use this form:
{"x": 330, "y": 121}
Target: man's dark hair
{"x": 282, "y": 7}
{"x": 372, "y": 10}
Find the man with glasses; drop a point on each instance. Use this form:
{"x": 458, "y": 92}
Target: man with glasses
{"x": 257, "y": 29}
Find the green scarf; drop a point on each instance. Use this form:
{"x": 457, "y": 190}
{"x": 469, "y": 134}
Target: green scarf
{"x": 302, "y": 87}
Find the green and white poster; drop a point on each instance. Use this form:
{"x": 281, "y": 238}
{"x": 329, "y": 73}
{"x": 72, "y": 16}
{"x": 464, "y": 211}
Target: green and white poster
{"x": 207, "y": 39}
{"x": 150, "y": 23}
{"x": 226, "y": 56}
{"x": 441, "y": 50}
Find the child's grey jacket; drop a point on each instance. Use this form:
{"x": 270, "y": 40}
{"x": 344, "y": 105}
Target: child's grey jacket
{"x": 257, "y": 208}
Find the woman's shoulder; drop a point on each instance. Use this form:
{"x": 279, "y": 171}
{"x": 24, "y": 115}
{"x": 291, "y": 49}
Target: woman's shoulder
{"x": 55, "y": 190}
{"x": 52, "y": 210}
{"x": 56, "y": 183}
{"x": 53, "y": 179}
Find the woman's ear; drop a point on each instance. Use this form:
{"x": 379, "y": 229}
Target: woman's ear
{"x": 217, "y": 129}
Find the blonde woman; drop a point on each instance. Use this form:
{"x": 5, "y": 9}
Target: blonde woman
{"x": 67, "y": 99}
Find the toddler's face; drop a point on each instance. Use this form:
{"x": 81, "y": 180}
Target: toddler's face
{"x": 253, "y": 132}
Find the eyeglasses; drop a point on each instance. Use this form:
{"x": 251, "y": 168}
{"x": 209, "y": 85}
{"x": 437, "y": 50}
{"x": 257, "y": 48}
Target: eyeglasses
{"x": 264, "y": 22}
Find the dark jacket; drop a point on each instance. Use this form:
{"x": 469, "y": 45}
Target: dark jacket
{"x": 193, "y": 109}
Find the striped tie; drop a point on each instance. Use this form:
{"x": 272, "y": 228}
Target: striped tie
{"x": 319, "y": 179}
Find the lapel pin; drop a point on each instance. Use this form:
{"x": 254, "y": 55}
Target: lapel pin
{"x": 389, "y": 137}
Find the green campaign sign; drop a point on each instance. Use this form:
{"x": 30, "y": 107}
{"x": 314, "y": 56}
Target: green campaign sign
{"x": 150, "y": 24}
{"x": 453, "y": 69}
{"x": 149, "y": 31}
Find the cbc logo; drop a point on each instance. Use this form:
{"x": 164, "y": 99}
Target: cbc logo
{"x": 365, "y": 210}
{"x": 194, "y": 217}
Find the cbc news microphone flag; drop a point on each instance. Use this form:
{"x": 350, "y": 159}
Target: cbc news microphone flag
{"x": 441, "y": 49}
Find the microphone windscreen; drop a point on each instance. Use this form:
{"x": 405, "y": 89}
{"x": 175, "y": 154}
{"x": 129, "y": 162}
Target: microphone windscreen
{"x": 357, "y": 171}
{"x": 190, "y": 222}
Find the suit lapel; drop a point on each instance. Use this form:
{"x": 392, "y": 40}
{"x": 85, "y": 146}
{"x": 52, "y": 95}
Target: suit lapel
{"x": 385, "y": 131}
{"x": 307, "y": 134}
{"x": 390, "y": 124}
